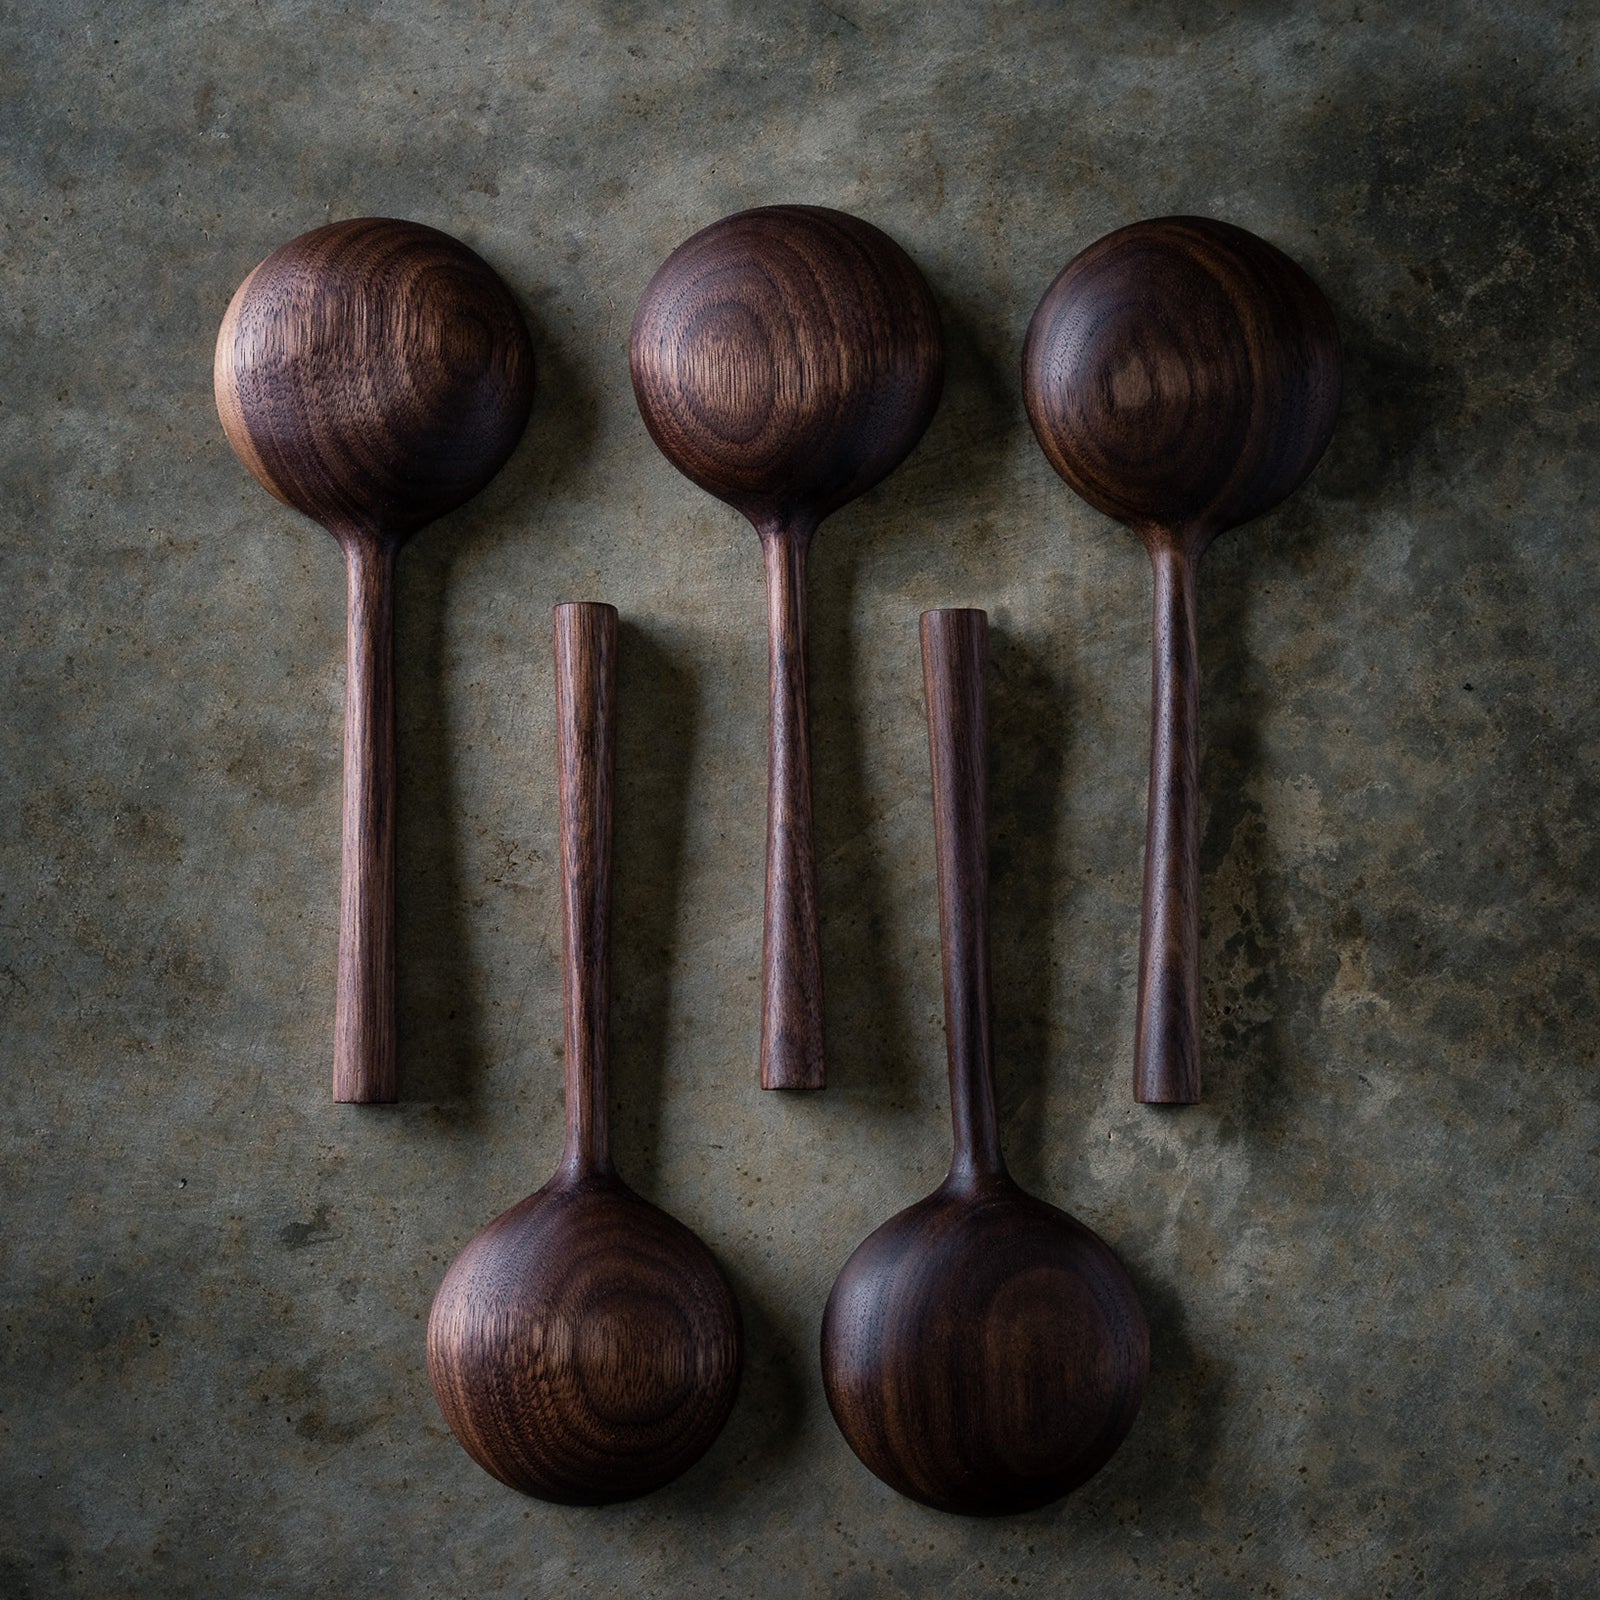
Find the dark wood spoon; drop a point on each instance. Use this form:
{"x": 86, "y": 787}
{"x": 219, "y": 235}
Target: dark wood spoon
{"x": 982, "y": 1352}
{"x": 373, "y": 375}
{"x": 584, "y": 1346}
{"x": 1183, "y": 376}
{"x": 786, "y": 359}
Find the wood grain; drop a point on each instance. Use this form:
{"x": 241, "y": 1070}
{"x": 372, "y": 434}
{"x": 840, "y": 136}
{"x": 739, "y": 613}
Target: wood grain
{"x": 586, "y": 690}
{"x": 792, "y": 1053}
{"x": 955, "y": 666}
{"x": 786, "y": 359}
{"x": 982, "y": 1352}
{"x": 364, "y": 1034}
{"x": 1166, "y": 1046}
{"x": 1183, "y": 376}
{"x": 584, "y": 1347}
{"x": 374, "y": 375}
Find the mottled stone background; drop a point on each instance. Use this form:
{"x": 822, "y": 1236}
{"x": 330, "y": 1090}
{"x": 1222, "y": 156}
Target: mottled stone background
{"x": 1369, "y": 1257}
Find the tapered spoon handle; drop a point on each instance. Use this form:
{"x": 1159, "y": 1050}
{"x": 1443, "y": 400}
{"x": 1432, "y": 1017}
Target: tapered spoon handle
{"x": 364, "y": 1025}
{"x": 1167, "y": 1038}
{"x": 791, "y": 949}
{"x": 586, "y": 695}
{"x": 955, "y": 664}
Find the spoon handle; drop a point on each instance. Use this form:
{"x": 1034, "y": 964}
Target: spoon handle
{"x": 364, "y": 1028}
{"x": 586, "y": 696}
{"x": 955, "y": 663}
{"x": 791, "y": 951}
{"x": 1167, "y": 1037}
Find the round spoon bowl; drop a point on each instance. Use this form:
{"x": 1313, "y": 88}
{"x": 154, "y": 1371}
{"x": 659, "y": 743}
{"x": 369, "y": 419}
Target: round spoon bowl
{"x": 787, "y": 358}
{"x": 373, "y": 374}
{"x": 583, "y": 1347}
{"x": 1183, "y": 376}
{"x": 983, "y": 1352}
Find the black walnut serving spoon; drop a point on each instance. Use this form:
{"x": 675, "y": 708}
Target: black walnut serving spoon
{"x": 786, "y": 359}
{"x": 374, "y": 375}
{"x": 982, "y": 1352}
{"x": 584, "y": 1347}
{"x": 1183, "y": 376}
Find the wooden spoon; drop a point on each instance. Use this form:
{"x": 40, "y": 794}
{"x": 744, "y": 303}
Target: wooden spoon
{"x": 982, "y": 1352}
{"x": 1183, "y": 376}
{"x": 374, "y": 375}
{"x": 584, "y": 1347}
{"x": 786, "y": 359}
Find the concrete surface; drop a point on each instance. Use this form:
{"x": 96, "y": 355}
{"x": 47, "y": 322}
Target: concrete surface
{"x": 1369, "y": 1256}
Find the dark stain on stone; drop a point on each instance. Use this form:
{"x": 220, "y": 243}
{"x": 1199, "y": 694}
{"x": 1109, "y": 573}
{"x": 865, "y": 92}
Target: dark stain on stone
{"x": 317, "y": 1426}
{"x": 321, "y": 1412}
{"x": 302, "y": 1235}
{"x": 1462, "y": 248}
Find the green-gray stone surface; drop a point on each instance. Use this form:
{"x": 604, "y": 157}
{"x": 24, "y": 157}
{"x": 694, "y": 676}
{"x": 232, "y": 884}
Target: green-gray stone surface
{"x": 1369, "y": 1257}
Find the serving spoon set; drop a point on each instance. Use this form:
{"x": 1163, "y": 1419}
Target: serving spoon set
{"x": 982, "y": 1352}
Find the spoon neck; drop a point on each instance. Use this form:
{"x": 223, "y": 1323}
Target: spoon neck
{"x": 369, "y": 572}
{"x": 365, "y": 548}
{"x": 778, "y": 528}
{"x": 586, "y": 1151}
{"x": 1175, "y": 569}
{"x": 1177, "y": 547}
{"x": 976, "y": 1159}
{"x": 579, "y": 1165}
{"x": 784, "y": 549}
{"x": 968, "y": 1177}
{"x": 1173, "y": 550}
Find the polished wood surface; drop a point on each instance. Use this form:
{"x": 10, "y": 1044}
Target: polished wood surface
{"x": 374, "y": 375}
{"x": 1183, "y": 376}
{"x": 365, "y": 1041}
{"x": 785, "y": 359}
{"x": 982, "y": 1351}
{"x": 584, "y": 1347}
